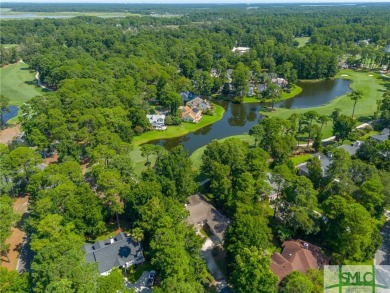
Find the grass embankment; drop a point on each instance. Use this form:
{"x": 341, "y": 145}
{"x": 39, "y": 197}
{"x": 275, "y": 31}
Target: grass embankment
{"x": 295, "y": 90}
{"x": 302, "y": 41}
{"x": 18, "y": 84}
{"x": 372, "y": 87}
{"x": 183, "y": 129}
{"x": 170, "y": 132}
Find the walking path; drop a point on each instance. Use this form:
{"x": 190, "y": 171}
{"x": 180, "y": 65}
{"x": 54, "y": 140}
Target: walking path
{"x": 40, "y": 83}
{"x": 8, "y": 134}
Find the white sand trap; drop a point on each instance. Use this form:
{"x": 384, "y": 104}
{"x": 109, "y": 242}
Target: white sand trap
{"x": 344, "y": 75}
{"x": 370, "y": 75}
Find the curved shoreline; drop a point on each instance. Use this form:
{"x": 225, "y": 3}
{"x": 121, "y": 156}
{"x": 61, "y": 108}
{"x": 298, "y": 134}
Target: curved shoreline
{"x": 178, "y": 131}
{"x": 372, "y": 87}
{"x": 296, "y": 90}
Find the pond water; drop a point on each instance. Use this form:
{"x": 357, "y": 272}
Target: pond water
{"x": 387, "y": 48}
{"x": 13, "y": 111}
{"x": 239, "y": 118}
{"x": 315, "y": 94}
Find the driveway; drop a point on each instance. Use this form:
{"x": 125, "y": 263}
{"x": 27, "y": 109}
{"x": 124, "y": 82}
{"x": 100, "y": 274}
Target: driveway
{"x": 382, "y": 256}
{"x": 212, "y": 266}
{"x": 140, "y": 284}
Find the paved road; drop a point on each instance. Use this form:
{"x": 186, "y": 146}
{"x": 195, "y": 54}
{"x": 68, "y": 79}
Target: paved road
{"x": 382, "y": 256}
{"x": 140, "y": 284}
{"x": 25, "y": 257}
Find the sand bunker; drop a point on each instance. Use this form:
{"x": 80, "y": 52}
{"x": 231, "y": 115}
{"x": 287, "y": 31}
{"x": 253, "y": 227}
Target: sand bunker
{"x": 370, "y": 75}
{"x": 344, "y": 75}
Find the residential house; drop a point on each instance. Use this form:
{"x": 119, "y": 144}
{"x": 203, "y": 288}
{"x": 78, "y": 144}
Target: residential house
{"x": 190, "y": 115}
{"x": 325, "y": 162}
{"x": 187, "y": 96}
{"x": 119, "y": 251}
{"x": 199, "y": 103}
{"x": 281, "y": 82}
{"x": 157, "y": 121}
{"x": 383, "y": 136}
{"x": 352, "y": 148}
{"x": 240, "y": 50}
{"x": 295, "y": 256}
{"x": 202, "y": 213}
{"x": 273, "y": 193}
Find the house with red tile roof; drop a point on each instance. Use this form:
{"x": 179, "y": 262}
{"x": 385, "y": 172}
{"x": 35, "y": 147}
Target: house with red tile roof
{"x": 295, "y": 256}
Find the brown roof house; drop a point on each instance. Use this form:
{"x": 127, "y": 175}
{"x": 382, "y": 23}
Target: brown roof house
{"x": 295, "y": 256}
{"x": 202, "y": 213}
{"x": 190, "y": 115}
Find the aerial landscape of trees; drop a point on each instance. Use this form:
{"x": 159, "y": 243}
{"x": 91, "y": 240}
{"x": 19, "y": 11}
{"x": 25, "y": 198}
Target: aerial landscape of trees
{"x": 104, "y": 75}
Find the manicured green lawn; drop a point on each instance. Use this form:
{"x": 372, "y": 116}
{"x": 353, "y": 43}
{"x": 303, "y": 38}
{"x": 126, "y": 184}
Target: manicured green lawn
{"x": 300, "y": 159}
{"x": 371, "y": 86}
{"x": 302, "y": 41}
{"x": 285, "y": 96}
{"x": 176, "y": 131}
{"x": 139, "y": 161}
{"x": 196, "y": 156}
{"x": 170, "y": 132}
{"x": 18, "y": 83}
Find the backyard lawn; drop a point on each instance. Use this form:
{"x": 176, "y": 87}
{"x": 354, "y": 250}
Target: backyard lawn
{"x": 176, "y": 131}
{"x": 370, "y": 83}
{"x": 302, "y": 41}
{"x": 296, "y": 90}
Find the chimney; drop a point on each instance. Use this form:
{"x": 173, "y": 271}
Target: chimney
{"x": 111, "y": 240}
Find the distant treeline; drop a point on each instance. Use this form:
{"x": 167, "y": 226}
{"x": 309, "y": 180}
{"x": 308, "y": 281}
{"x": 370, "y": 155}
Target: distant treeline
{"x": 147, "y": 9}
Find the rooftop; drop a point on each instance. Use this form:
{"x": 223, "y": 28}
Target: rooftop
{"x": 203, "y": 212}
{"x": 295, "y": 257}
{"x": 383, "y": 136}
{"x": 113, "y": 252}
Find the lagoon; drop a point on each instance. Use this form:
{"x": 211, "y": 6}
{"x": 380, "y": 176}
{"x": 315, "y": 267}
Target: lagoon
{"x": 239, "y": 118}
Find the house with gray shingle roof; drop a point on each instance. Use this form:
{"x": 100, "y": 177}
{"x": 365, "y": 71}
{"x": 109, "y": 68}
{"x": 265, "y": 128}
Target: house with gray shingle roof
{"x": 325, "y": 162}
{"x": 383, "y": 136}
{"x": 120, "y": 251}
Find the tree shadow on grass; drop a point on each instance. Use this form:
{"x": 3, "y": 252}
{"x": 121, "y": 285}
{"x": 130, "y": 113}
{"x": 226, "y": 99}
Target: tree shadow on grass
{"x": 32, "y": 82}
{"x": 365, "y": 119}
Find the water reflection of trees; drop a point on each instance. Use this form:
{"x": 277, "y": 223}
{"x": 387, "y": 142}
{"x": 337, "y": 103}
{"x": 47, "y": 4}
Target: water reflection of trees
{"x": 204, "y": 130}
{"x": 238, "y": 114}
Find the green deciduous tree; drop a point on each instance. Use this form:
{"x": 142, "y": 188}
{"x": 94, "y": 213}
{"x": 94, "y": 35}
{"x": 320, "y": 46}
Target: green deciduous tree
{"x": 251, "y": 272}
{"x": 342, "y": 127}
{"x": 296, "y": 282}
{"x": 12, "y": 282}
{"x": 8, "y": 218}
{"x": 349, "y": 230}
{"x": 240, "y": 79}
